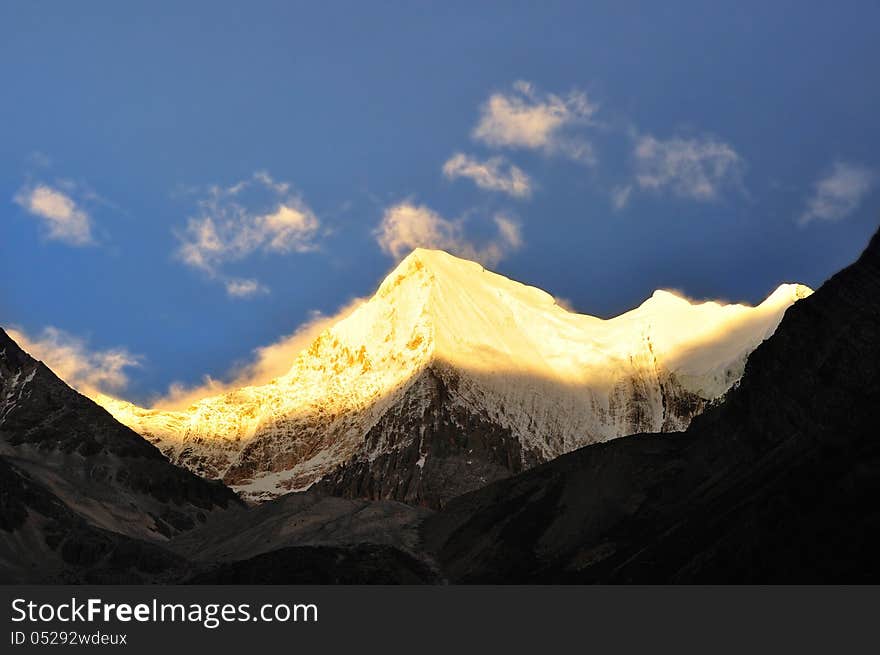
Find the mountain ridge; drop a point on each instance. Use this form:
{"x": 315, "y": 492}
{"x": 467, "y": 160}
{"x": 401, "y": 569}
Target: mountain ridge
{"x": 81, "y": 494}
{"x": 777, "y": 484}
{"x": 461, "y": 346}
{"x": 44, "y": 423}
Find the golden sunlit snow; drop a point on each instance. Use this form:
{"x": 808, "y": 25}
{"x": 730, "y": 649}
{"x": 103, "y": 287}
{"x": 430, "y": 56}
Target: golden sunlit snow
{"x": 552, "y": 376}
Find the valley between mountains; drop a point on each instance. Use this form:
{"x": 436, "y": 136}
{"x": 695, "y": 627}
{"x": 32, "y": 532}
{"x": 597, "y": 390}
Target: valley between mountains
{"x": 462, "y": 427}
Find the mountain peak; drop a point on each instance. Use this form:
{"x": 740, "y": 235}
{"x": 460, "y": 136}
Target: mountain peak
{"x": 425, "y": 262}
{"x": 504, "y": 351}
{"x": 429, "y": 256}
{"x": 668, "y": 297}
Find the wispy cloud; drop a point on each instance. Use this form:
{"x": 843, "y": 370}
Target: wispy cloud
{"x": 695, "y": 168}
{"x": 493, "y": 174}
{"x": 406, "y": 226}
{"x": 229, "y": 228}
{"x": 525, "y": 118}
{"x": 90, "y": 372}
{"x": 244, "y": 287}
{"x": 266, "y": 364}
{"x": 839, "y": 194}
{"x": 63, "y": 218}
{"x": 620, "y": 196}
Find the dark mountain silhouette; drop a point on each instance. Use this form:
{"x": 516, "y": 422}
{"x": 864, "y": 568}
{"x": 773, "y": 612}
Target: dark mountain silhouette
{"x": 74, "y": 447}
{"x": 80, "y": 491}
{"x": 778, "y": 484}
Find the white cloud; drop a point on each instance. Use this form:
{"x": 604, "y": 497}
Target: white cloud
{"x": 405, "y": 227}
{"x": 525, "y": 118}
{"x": 229, "y": 229}
{"x": 244, "y": 287}
{"x": 89, "y": 372}
{"x": 839, "y": 194}
{"x": 696, "y": 168}
{"x": 290, "y": 228}
{"x": 268, "y": 362}
{"x": 489, "y": 174}
{"x": 620, "y": 196}
{"x": 65, "y": 220}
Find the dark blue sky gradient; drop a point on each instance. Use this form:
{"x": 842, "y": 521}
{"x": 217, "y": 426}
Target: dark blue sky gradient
{"x": 359, "y": 104}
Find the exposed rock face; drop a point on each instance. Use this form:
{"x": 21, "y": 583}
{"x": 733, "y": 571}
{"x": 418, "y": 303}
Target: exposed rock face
{"x": 428, "y": 449}
{"x": 43, "y": 541}
{"x": 103, "y": 471}
{"x": 451, "y": 377}
{"x": 777, "y": 484}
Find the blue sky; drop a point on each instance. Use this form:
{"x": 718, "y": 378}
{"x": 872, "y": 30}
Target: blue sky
{"x": 184, "y": 182}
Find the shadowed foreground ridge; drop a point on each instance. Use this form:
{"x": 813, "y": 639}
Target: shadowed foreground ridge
{"x": 82, "y": 497}
{"x": 778, "y": 484}
{"x": 46, "y": 426}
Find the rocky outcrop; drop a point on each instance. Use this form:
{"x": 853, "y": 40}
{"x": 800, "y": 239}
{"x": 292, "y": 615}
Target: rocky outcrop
{"x": 429, "y": 448}
{"x": 432, "y": 445}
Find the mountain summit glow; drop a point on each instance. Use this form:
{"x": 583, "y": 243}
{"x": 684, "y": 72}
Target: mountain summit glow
{"x": 451, "y": 371}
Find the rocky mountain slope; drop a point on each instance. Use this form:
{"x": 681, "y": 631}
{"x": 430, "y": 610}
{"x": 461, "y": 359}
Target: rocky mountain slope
{"x": 777, "y": 484}
{"x": 300, "y": 538}
{"x": 83, "y": 499}
{"x": 56, "y": 440}
{"x": 451, "y": 377}
{"x": 302, "y": 519}
{"x": 43, "y": 540}
{"x": 310, "y": 538}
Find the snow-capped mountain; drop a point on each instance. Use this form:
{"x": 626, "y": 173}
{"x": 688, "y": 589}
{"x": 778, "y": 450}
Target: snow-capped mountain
{"x": 452, "y": 376}
{"x": 776, "y": 485}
